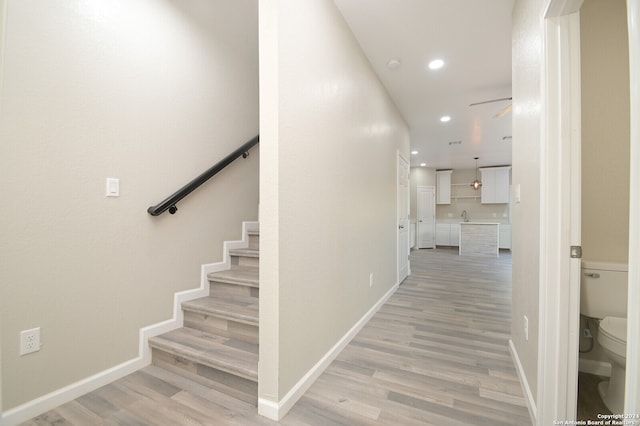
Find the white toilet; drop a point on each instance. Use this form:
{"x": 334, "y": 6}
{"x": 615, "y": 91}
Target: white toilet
{"x": 603, "y": 295}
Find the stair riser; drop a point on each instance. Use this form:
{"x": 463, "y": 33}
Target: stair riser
{"x": 218, "y": 288}
{"x": 254, "y": 242}
{"x": 238, "y": 387}
{"x": 245, "y": 261}
{"x": 221, "y": 326}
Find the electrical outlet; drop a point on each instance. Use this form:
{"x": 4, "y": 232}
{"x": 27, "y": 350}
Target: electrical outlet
{"x": 526, "y": 328}
{"x": 29, "y": 341}
{"x": 371, "y": 280}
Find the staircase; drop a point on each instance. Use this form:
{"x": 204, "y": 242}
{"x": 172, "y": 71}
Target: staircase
{"x": 218, "y": 344}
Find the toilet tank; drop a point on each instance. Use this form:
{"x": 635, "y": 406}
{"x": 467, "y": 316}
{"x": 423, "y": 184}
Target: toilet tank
{"x": 603, "y": 289}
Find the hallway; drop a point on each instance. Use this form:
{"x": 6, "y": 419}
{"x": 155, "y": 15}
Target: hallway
{"x": 436, "y": 353}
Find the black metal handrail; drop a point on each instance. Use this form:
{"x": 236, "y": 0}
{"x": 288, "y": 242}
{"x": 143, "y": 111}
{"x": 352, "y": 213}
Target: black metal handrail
{"x": 170, "y": 202}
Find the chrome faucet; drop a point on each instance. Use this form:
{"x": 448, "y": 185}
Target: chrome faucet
{"x": 464, "y": 215}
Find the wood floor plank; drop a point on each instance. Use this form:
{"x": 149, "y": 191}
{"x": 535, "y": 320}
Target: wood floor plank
{"x": 435, "y": 354}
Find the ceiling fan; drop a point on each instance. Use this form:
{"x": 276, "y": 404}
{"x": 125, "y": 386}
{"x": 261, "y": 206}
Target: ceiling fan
{"x": 506, "y": 110}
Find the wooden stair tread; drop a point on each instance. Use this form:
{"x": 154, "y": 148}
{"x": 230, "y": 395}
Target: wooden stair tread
{"x": 239, "y": 308}
{"x": 232, "y": 356}
{"x": 238, "y": 274}
{"x": 246, "y": 252}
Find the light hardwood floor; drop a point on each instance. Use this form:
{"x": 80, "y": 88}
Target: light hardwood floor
{"x": 435, "y": 354}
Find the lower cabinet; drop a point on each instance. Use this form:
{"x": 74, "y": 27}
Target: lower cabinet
{"x": 447, "y": 234}
{"x": 442, "y": 234}
{"x": 504, "y": 237}
{"x": 454, "y": 235}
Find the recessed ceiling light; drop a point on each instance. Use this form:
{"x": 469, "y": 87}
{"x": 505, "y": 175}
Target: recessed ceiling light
{"x": 423, "y": 164}
{"x": 436, "y": 64}
{"x": 393, "y": 63}
{"x": 445, "y": 119}
{"x": 414, "y": 152}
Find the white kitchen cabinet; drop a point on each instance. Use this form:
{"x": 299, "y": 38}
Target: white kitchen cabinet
{"x": 443, "y": 186}
{"x": 454, "y": 235}
{"x": 447, "y": 234}
{"x": 443, "y": 231}
{"x": 495, "y": 185}
{"x": 504, "y": 237}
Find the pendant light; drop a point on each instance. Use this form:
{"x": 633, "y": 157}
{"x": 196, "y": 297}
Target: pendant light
{"x": 476, "y": 184}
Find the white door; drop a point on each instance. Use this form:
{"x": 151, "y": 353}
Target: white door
{"x": 426, "y": 225}
{"x": 403, "y": 219}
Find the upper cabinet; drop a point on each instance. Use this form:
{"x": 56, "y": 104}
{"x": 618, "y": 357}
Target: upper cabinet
{"x": 495, "y": 185}
{"x": 443, "y": 186}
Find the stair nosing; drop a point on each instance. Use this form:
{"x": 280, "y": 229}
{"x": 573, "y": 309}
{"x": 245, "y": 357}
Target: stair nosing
{"x": 237, "y": 316}
{"x": 227, "y": 276}
{"x": 245, "y": 252}
{"x": 185, "y": 352}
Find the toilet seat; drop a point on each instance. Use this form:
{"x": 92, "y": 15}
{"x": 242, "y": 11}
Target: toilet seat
{"x": 615, "y": 327}
{"x": 613, "y": 336}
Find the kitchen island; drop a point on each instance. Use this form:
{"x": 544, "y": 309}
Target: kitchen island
{"x": 479, "y": 239}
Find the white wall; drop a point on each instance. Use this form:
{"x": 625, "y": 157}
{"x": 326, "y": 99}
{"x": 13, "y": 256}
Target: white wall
{"x": 329, "y": 135}
{"x": 151, "y": 92}
{"x": 525, "y": 216}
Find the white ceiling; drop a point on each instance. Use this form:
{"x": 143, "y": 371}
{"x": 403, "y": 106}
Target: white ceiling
{"x": 473, "y": 37}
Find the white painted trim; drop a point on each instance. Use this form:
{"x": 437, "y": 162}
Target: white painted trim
{"x": 557, "y": 8}
{"x": 531, "y": 402}
{"x": 632, "y": 391}
{"x": 277, "y": 410}
{"x": 68, "y": 393}
{"x": 3, "y": 27}
{"x": 592, "y": 366}
{"x": 559, "y": 215}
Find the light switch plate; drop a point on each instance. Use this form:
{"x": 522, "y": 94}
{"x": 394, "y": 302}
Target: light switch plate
{"x": 113, "y": 187}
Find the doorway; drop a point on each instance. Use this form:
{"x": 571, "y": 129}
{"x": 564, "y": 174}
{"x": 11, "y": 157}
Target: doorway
{"x": 403, "y": 218}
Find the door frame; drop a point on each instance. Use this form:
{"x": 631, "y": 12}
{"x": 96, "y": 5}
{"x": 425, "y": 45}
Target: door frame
{"x": 400, "y": 158}
{"x": 557, "y": 360}
{"x": 632, "y": 392}
{"x": 559, "y": 214}
{"x": 433, "y": 190}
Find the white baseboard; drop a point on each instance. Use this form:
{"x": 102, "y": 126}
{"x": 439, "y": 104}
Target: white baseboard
{"x": 531, "y": 402}
{"x": 592, "y": 366}
{"x": 68, "y": 393}
{"x": 277, "y": 410}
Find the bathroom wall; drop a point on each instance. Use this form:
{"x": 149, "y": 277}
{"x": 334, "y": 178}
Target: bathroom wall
{"x": 605, "y": 130}
{"x": 475, "y": 210}
{"x": 605, "y": 140}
